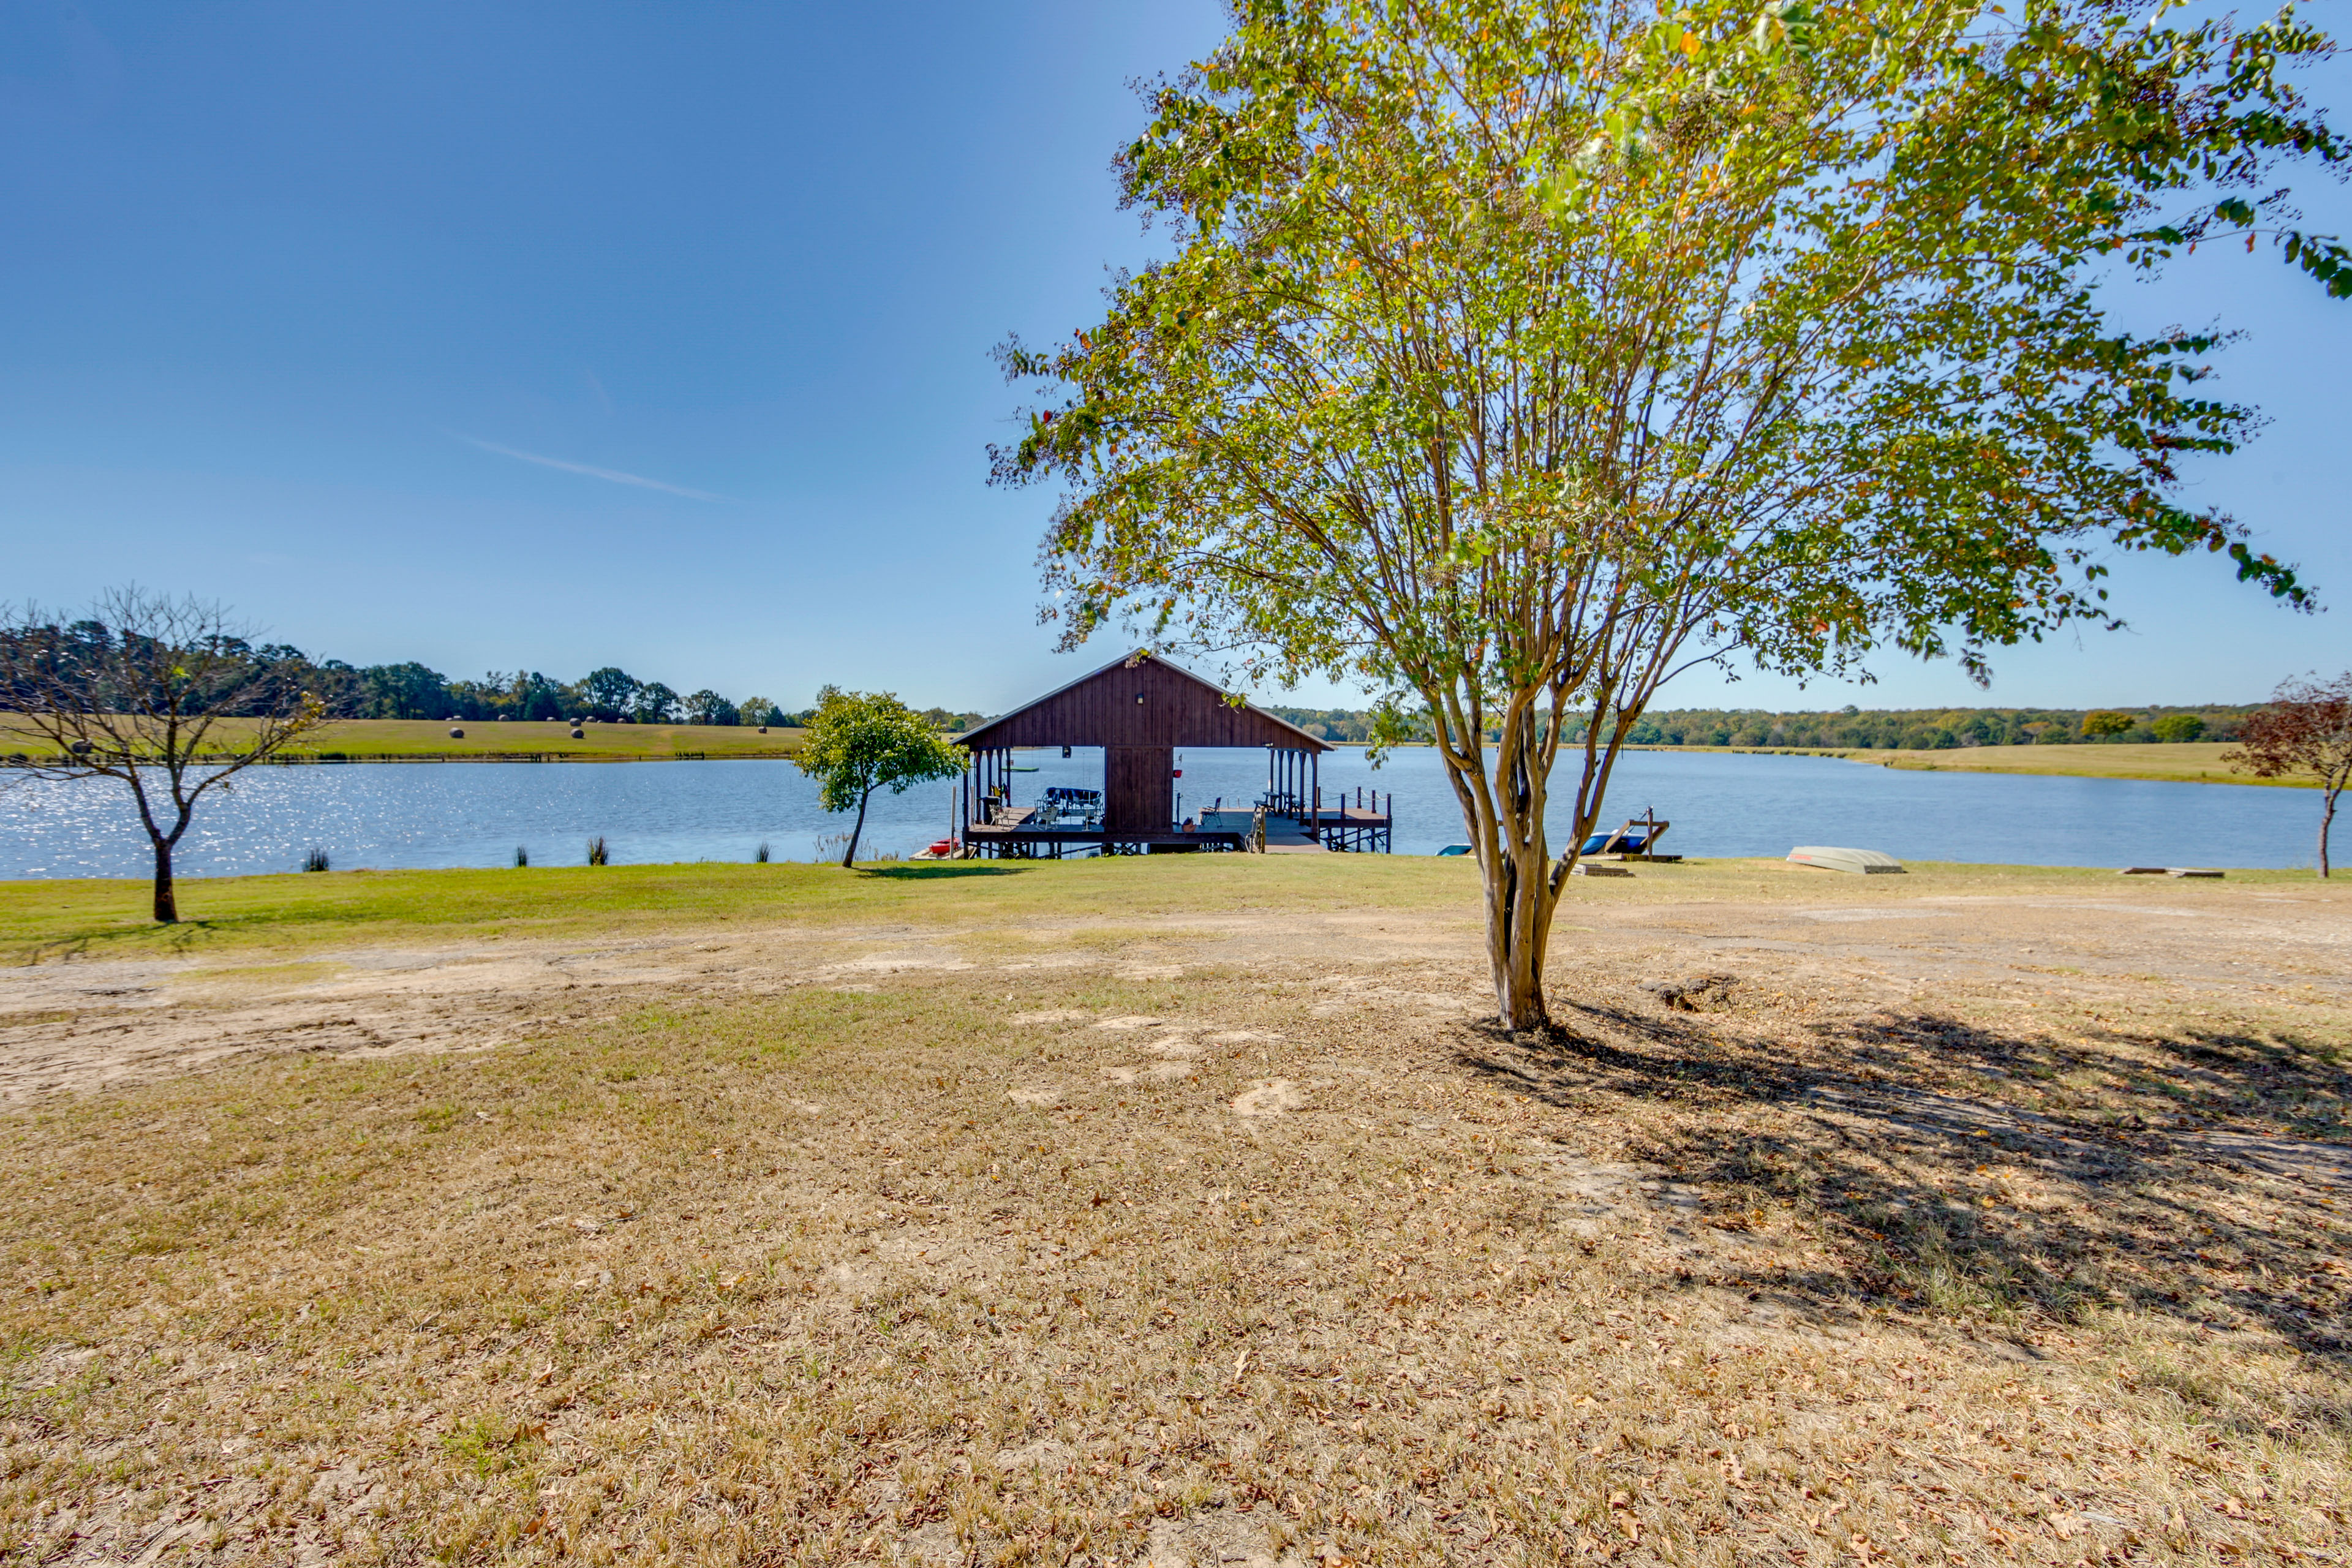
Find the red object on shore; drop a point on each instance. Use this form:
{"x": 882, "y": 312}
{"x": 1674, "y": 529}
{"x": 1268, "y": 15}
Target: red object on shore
{"x": 943, "y": 847}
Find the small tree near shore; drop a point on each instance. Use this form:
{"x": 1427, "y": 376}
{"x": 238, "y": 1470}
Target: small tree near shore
{"x": 860, "y": 742}
{"x": 163, "y": 694}
{"x": 2306, "y": 733}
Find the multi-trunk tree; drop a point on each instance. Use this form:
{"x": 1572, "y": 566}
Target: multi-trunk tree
{"x": 1511, "y": 356}
{"x": 164, "y": 695}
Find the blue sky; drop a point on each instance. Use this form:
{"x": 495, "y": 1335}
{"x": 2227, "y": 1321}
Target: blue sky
{"x": 570, "y": 334}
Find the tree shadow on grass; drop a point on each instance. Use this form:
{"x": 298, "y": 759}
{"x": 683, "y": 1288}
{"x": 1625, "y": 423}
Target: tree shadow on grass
{"x": 945, "y": 871}
{"x": 174, "y": 941}
{"x": 2194, "y": 1174}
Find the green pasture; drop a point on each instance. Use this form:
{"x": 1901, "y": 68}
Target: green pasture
{"x": 2194, "y": 761}
{"x": 107, "y": 918}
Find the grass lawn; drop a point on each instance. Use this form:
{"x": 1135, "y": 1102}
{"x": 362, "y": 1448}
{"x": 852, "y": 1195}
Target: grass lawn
{"x": 1181, "y": 1209}
{"x": 491, "y": 739}
{"x": 109, "y": 917}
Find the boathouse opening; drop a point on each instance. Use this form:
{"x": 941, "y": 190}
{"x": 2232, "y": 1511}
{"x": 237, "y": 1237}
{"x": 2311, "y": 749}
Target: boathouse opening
{"x": 1139, "y": 710}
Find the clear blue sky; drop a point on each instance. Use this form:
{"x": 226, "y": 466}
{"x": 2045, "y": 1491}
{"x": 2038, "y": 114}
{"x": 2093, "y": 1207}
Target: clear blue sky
{"x": 569, "y": 334}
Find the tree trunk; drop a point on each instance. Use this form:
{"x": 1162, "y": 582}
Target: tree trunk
{"x": 1502, "y": 815}
{"x": 1518, "y": 922}
{"x": 857, "y": 828}
{"x": 2327, "y": 818}
{"x": 167, "y": 906}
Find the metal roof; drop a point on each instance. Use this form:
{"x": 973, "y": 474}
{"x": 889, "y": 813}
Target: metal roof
{"x": 1277, "y": 732}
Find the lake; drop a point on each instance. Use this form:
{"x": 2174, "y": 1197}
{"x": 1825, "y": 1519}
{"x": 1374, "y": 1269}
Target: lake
{"x": 417, "y": 815}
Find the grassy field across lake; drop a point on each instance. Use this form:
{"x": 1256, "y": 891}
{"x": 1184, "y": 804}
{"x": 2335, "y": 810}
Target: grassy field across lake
{"x": 364, "y": 739}
{"x": 2195, "y": 761}
{"x": 1181, "y": 1210}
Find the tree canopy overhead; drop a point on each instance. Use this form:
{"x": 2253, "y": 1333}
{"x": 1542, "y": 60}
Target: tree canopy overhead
{"x": 1513, "y": 354}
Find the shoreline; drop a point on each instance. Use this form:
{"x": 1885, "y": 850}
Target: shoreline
{"x": 2189, "y": 762}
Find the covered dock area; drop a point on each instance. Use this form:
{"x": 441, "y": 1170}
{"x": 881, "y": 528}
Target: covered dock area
{"x": 1140, "y": 711}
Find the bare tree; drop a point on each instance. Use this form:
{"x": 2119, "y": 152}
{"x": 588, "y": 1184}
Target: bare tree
{"x": 2306, "y": 733}
{"x": 164, "y": 694}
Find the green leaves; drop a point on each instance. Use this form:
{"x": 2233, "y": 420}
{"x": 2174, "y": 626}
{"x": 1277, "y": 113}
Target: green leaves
{"x": 858, "y": 742}
{"x": 1514, "y": 353}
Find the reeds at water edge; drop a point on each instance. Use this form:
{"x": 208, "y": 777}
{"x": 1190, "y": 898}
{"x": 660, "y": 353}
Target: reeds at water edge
{"x": 597, "y": 855}
{"x": 316, "y": 860}
{"x": 522, "y": 855}
{"x": 760, "y": 856}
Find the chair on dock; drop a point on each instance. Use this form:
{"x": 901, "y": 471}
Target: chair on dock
{"x": 1077, "y": 807}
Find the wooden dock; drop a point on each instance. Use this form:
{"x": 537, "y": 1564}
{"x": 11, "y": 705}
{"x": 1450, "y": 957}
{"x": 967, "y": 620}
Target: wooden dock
{"x": 1015, "y": 834}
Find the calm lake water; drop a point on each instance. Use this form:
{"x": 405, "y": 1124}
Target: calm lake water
{"x": 476, "y": 814}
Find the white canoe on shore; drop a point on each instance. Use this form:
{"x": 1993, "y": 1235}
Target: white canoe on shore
{"x": 1862, "y": 862}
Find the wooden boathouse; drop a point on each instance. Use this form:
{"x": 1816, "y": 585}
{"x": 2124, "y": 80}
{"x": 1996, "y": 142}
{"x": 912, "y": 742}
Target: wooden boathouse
{"x": 1140, "y": 710}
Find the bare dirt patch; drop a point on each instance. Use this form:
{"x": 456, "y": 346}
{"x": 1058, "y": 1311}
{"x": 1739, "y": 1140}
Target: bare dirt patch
{"x": 1953, "y": 1231}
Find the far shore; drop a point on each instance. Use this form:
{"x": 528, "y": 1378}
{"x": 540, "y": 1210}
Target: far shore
{"x": 522, "y": 741}
{"x": 509, "y": 741}
{"x": 2189, "y": 762}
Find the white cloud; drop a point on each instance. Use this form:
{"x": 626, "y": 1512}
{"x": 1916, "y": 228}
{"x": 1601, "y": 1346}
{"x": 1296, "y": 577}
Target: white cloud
{"x": 614, "y": 475}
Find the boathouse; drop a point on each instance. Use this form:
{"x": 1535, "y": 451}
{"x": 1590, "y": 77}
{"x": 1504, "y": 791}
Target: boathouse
{"x": 1140, "y": 710}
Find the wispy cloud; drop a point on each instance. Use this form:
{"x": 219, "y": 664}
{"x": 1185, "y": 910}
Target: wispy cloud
{"x": 614, "y": 475}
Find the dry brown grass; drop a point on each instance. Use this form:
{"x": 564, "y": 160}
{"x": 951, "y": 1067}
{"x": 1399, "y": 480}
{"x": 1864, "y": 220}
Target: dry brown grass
{"x": 1268, "y": 1260}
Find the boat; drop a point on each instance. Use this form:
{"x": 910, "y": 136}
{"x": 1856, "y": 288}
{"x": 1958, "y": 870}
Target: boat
{"x": 1637, "y": 840}
{"x": 1861, "y": 862}
{"x": 1455, "y": 850}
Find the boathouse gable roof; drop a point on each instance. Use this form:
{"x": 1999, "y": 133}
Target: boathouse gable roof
{"x": 1139, "y": 699}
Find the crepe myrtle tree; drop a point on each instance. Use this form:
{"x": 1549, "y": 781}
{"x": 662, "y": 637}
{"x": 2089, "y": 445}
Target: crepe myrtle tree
{"x": 2304, "y": 733}
{"x": 1511, "y": 355}
{"x": 856, "y": 743}
{"x": 165, "y": 694}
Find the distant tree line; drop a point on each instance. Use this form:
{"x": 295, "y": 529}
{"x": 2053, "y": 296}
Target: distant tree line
{"x": 413, "y": 691}
{"x": 1856, "y": 729}
{"x": 610, "y": 695}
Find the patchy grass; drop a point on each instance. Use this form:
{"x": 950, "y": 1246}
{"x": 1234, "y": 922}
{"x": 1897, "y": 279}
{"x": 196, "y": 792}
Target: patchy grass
{"x": 1252, "y": 1264}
